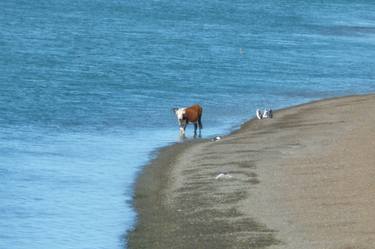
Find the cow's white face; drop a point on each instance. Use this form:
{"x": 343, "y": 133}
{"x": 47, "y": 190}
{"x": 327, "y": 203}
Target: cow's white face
{"x": 181, "y": 121}
{"x": 180, "y": 114}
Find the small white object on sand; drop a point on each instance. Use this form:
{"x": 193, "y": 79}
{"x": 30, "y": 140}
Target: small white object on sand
{"x": 216, "y": 138}
{"x": 267, "y": 113}
{"x": 223, "y": 175}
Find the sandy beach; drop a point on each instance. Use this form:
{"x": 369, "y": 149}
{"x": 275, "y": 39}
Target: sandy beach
{"x": 304, "y": 179}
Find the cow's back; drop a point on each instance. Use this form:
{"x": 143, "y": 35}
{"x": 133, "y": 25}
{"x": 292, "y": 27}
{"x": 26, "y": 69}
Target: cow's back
{"x": 193, "y": 113}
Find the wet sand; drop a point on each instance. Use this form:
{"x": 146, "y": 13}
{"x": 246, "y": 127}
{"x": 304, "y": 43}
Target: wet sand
{"x": 304, "y": 179}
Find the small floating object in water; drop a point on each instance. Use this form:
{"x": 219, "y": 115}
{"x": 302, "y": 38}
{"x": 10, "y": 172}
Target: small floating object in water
{"x": 223, "y": 175}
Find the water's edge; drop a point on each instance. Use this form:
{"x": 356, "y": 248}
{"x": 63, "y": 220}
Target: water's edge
{"x": 158, "y": 153}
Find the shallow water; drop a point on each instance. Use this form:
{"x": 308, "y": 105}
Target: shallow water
{"x": 86, "y": 90}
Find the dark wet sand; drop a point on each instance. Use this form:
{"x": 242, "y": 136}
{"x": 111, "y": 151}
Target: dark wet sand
{"x": 304, "y": 179}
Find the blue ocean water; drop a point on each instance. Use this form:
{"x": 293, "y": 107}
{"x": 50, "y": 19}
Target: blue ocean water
{"x": 86, "y": 89}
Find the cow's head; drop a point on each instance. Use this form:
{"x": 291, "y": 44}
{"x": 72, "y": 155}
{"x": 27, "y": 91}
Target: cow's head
{"x": 180, "y": 114}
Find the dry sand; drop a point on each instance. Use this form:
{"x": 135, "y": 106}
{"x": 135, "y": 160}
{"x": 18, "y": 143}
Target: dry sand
{"x": 304, "y": 179}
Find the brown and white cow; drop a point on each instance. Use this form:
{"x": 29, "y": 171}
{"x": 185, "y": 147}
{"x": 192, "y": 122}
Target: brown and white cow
{"x": 192, "y": 114}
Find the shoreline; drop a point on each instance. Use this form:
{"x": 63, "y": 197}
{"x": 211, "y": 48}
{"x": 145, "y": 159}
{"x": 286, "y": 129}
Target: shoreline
{"x": 180, "y": 204}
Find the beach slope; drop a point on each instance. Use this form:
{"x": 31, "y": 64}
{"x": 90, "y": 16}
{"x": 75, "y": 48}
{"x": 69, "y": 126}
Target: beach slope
{"x": 304, "y": 179}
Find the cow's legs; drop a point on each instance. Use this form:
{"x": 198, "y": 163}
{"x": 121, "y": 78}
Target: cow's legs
{"x": 200, "y": 123}
{"x": 182, "y": 129}
{"x": 200, "y": 126}
{"x": 183, "y": 125}
{"x": 195, "y": 129}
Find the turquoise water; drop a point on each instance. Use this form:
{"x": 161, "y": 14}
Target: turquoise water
{"x": 86, "y": 89}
